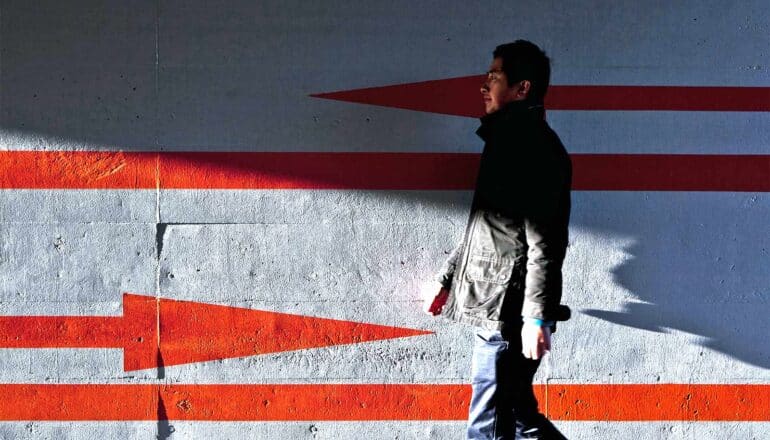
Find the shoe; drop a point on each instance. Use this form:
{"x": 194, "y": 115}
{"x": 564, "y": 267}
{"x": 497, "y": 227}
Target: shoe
{"x": 543, "y": 429}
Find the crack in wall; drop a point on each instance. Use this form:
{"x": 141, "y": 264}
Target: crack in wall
{"x": 164, "y": 429}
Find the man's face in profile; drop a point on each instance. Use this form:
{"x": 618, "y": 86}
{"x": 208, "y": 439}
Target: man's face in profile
{"x": 495, "y": 89}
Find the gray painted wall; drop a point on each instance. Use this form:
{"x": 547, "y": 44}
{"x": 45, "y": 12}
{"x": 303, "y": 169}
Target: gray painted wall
{"x": 671, "y": 286}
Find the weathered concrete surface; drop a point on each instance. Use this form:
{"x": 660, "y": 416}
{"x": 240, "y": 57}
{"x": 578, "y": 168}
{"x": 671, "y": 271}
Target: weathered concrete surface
{"x": 74, "y": 206}
{"x": 67, "y": 267}
{"x": 78, "y": 75}
{"x": 77, "y": 430}
{"x": 646, "y": 257}
{"x": 374, "y": 430}
{"x": 669, "y": 287}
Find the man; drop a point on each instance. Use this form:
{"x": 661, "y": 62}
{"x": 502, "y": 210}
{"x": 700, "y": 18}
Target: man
{"x": 505, "y": 275}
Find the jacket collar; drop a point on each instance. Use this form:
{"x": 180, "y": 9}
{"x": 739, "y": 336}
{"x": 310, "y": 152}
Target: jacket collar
{"x": 510, "y": 113}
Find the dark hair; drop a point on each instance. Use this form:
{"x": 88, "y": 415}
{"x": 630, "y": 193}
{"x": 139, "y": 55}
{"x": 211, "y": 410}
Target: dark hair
{"x": 524, "y": 60}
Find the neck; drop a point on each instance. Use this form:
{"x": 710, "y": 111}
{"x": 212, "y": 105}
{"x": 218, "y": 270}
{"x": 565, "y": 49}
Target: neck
{"x": 512, "y": 107}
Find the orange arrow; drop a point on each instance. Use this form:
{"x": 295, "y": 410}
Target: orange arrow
{"x": 155, "y": 332}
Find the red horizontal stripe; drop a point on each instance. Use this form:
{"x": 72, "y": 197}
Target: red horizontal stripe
{"x": 364, "y": 171}
{"x": 369, "y": 402}
{"x": 393, "y": 171}
{"x": 462, "y": 97}
{"x": 78, "y": 169}
{"x": 672, "y": 98}
{"x": 60, "y": 331}
{"x": 671, "y": 172}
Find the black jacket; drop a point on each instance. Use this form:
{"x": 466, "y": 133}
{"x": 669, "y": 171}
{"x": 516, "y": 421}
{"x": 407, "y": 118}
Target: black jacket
{"x": 509, "y": 262}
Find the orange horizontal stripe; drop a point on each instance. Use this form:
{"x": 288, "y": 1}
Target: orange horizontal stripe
{"x": 643, "y": 402}
{"x": 363, "y": 171}
{"x": 61, "y": 331}
{"x": 317, "y": 170}
{"x": 77, "y": 169}
{"x": 78, "y": 402}
{"x": 370, "y": 171}
{"x": 370, "y": 402}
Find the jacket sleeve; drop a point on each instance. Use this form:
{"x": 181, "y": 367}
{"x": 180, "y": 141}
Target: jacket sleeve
{"x": 546, "y": 220}
{"x": 545, "y": 254}
{"x": 447, "y": 271}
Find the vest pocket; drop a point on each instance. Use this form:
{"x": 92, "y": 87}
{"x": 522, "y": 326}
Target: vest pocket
{"x": 487, "y": 279}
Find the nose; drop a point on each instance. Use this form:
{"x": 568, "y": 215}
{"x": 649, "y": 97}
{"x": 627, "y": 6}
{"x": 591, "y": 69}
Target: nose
{"x": 484, "y": 87}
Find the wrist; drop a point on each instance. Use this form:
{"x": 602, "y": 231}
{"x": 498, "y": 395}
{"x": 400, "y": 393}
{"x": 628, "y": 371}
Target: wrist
{"x": 536, "y": 322}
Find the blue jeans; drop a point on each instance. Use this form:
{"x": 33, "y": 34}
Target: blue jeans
{"x": 503, "y": 405}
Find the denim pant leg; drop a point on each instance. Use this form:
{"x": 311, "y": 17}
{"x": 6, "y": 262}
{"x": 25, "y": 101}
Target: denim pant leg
{"x": 484, "y": 418}
{"x": 502, "y": 387}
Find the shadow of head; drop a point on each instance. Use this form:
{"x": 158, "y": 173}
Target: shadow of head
{"x": 697, "y": 263}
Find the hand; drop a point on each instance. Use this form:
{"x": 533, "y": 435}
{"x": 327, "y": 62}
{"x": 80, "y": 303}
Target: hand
{"x": 434, "y": 296}
{"x": 535, "y": 340}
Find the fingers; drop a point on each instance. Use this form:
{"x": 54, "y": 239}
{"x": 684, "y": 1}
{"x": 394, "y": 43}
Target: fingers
{"x": 529, "y": 341}
{"x": 431, "y": 306}
{"x": 434, "y": 298}
{"x": 427, "y": 293}
{"x": 535, "y": 351}
{"x": 435, "y": 310}
{"x": 438, "y": 302}
{"x": 546, "y": 339}
{"x": 535, "y": 341}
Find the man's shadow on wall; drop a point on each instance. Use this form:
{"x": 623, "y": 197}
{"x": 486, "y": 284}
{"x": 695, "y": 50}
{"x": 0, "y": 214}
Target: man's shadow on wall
{"x": 698, "y": 263}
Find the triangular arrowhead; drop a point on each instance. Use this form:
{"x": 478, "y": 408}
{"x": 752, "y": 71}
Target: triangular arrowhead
{"x": 452, "y": 96}
{"x": 196, "y": 332}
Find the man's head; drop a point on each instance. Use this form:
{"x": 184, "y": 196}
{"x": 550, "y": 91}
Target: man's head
{"x": 519, "y": 71}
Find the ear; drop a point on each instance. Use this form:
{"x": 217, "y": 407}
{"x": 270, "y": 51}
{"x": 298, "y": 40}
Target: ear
{"x": 523, "y": 91}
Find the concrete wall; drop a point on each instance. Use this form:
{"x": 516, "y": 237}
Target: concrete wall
{"x": 670, "y": 287}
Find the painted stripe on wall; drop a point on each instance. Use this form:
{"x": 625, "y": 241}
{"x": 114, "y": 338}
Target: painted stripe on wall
{"x": 347, "y": 402}
{"x": 461, "y": 97}
{"x": 77, "y": 169}
{"x": 374, "y": 171}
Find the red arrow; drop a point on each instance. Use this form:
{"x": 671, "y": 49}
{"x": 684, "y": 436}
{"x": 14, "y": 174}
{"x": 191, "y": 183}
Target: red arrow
{"x": 461, "y": 97}
{"x": 156, "y": 332}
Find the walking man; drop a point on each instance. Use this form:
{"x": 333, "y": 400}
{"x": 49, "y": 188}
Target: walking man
{"x": 505, "y": 276}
